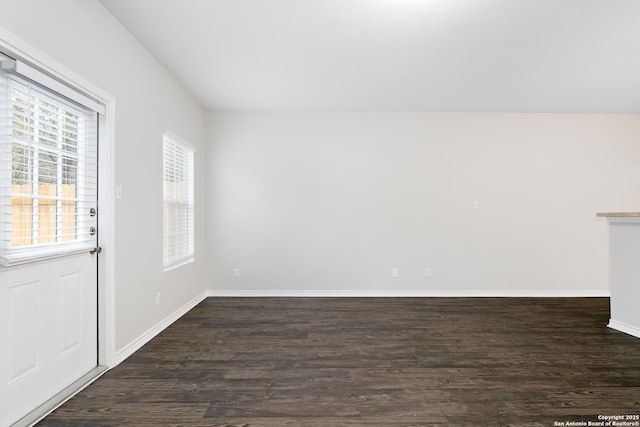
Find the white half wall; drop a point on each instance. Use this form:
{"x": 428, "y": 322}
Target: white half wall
{"x": 85, "y": 38}
{"x": 625, "y": 274}
{"x": 330, "y": 203}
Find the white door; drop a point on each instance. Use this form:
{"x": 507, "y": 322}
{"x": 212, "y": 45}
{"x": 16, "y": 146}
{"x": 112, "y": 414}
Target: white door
{"x": 48, "y": 278}
{"x": 48, "y": 328}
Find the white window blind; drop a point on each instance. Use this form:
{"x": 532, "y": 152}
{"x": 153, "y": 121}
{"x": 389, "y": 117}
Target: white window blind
{"x": 178, "y": 219}
{"x": 48, "y": 172}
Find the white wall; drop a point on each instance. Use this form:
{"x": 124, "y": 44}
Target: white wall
{"x": 85, "y": 38}
{"x": 328, "y": 203}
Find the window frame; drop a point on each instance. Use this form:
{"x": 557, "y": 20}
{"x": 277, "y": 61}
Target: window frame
{"x": 37, "y": 96}
{"x": 178, "y": 243}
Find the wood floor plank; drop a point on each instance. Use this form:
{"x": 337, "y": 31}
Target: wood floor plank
{"x": 371, "y": 362}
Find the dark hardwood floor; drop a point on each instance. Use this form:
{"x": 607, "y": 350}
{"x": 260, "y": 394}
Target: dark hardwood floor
{"x": 372, "y": 362}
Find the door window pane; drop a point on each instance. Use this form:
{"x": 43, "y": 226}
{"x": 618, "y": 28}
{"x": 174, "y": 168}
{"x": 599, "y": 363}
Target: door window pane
{"x": 49, "y": 147}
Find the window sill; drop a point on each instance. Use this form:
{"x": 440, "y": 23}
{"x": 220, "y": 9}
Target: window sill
{"x": 178, "y": 264}
{"x": 35, "y": 255}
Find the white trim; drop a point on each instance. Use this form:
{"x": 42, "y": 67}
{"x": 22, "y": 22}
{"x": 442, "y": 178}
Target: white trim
{"x": 179, "y": 264}
{"x": 106, "y": 238}
{"x": 147, "y": 336}
{"x": 39, "y": 77}
{"x": 410, "y": 294}
{"x": 43, "y": 254}
{"x": 61, "y": 398}
{"x": 20, "y": 50}
{"x": 623, "y": 327}
{"x": 178, "y": 140}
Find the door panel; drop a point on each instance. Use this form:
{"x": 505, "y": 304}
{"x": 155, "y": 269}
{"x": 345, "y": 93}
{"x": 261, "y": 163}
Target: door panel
{"x": 70, "y": 315}
{"x": 48, "y": 328}
{"x": 21, "y": 324}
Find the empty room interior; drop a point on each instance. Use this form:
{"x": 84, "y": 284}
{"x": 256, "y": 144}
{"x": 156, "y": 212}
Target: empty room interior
{"x": 319, "y": 212}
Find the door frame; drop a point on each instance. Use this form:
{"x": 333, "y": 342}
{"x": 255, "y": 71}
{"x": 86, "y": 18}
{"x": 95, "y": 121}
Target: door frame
{"x": 19, "y": 49}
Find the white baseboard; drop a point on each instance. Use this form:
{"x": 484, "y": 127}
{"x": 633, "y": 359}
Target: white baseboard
{"x": 415, "y": 294}
{"x": 623, "y": 327}
{"x": 151, "y": 333}
{"x": 136, "y": 344}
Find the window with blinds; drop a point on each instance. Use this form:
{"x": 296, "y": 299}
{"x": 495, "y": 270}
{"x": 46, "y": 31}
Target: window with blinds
{"x": 48, "y": 172}
{"x": 178, "y": 218}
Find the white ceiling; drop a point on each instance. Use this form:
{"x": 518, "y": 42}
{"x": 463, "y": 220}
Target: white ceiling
{"x": 397, "y": 55}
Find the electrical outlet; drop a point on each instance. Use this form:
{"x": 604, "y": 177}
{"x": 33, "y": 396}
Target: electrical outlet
{"x": 236, "y": 272}
{"x": 429, "y": 273}
{"x": 395, "y": 273}
{"x": 157, "y": 297}
{"x": 476, "y": 204}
